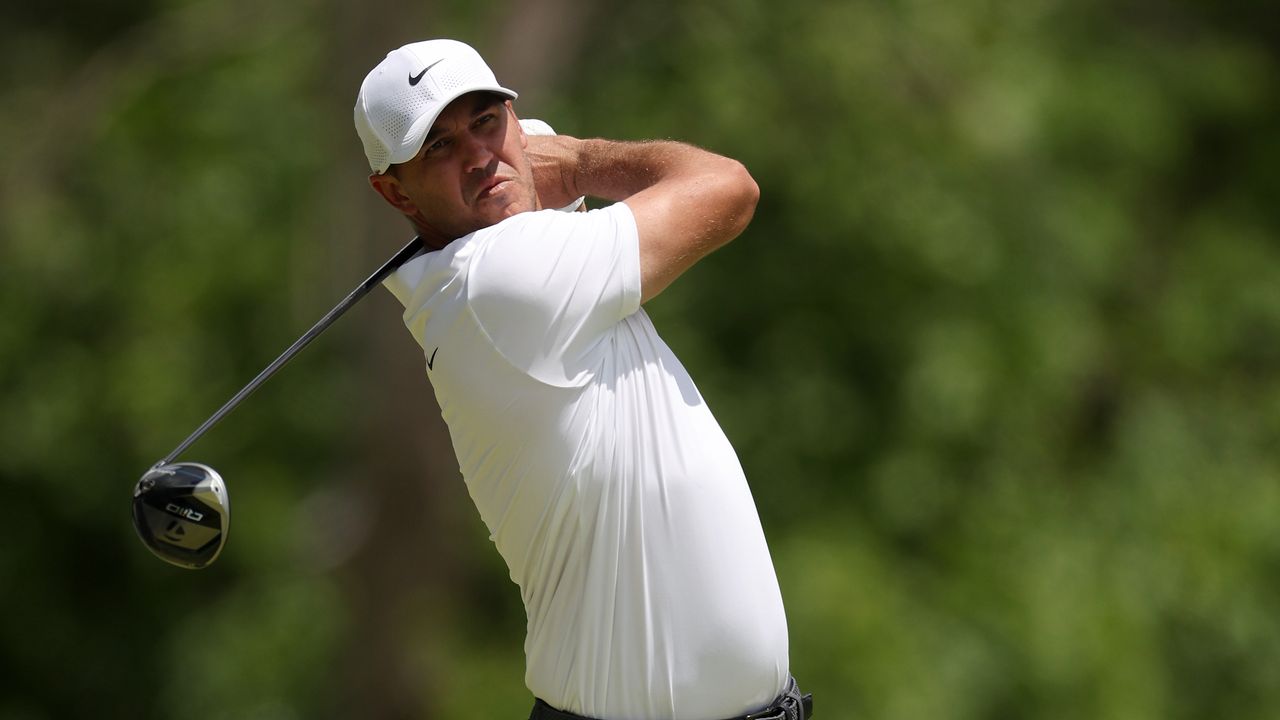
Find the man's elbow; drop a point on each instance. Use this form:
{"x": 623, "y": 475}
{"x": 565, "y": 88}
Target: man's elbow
{"x": 750, "y": 190}
{"x": 742, "y": 195}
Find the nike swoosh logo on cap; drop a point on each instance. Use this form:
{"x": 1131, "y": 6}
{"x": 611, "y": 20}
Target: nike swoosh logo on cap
{"x": 413, "y": 79}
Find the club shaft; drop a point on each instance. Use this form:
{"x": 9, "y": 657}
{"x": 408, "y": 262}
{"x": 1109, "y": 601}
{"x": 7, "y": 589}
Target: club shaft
{"x": 405, "y": 253}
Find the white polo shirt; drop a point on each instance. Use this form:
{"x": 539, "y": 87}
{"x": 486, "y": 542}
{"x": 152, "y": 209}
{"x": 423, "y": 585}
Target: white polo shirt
{"x": 607, "y": 486}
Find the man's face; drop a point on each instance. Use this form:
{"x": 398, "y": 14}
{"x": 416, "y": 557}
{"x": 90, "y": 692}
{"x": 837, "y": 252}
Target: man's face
{"x": 471, "y": 172}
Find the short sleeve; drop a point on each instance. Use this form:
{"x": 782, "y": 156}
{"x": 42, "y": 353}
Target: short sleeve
{"x": 548, "y": 287}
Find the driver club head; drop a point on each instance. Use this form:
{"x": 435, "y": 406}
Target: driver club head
{"x": 181, "y": 512}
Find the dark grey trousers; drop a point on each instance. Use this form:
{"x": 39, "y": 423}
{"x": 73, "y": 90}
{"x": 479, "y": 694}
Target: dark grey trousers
{"x": 790, "y": 705}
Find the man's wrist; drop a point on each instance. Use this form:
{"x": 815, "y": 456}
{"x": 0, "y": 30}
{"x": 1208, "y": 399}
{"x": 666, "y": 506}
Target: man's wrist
{"x": 616, "y": 169}
{"x": 574, "y": 152}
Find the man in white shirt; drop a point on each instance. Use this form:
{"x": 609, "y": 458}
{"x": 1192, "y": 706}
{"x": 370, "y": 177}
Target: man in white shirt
{"x": 608, "y": 488}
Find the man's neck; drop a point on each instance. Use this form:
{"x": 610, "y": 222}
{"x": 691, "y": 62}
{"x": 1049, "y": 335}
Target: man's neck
{"x": 432, "y": 239}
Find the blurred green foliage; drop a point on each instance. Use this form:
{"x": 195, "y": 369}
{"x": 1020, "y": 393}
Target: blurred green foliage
{"x": 999, "y": 352}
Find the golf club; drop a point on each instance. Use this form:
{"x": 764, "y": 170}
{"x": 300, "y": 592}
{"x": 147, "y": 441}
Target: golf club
{"x": 181, "y": 509}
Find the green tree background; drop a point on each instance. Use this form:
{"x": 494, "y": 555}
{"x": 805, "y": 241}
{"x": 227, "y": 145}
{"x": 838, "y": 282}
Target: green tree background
{"x": 999, "y": 352}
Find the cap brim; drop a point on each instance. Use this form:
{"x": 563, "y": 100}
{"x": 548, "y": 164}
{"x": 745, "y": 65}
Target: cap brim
{"x": 421, "y": 127}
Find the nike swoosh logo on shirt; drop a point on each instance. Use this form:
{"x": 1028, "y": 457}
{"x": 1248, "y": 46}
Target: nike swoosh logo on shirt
{"x": 431, "y": 361}
{"x": 413, "y": 79}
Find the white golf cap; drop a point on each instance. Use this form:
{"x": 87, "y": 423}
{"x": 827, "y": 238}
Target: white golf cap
{"x": 400, "y": 99}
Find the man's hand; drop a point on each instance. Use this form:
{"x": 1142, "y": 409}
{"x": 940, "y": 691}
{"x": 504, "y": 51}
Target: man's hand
{"x": 554, "y": 158}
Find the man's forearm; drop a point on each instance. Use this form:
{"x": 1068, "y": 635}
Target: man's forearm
{"x": 615, "y": 170}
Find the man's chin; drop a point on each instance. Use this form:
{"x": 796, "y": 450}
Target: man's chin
{"x": 501, "y": 211}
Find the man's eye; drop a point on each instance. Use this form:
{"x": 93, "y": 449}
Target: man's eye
{"x": 483, "y": 119}
{"x": 437, "y": 145}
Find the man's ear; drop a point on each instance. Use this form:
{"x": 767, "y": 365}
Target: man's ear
{"x": 388, "y": 186}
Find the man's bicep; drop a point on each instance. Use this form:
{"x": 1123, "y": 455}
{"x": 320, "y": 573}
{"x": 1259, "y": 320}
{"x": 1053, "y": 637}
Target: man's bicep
{"x": 679, "y": 223}
{"x": 663, "y": 255}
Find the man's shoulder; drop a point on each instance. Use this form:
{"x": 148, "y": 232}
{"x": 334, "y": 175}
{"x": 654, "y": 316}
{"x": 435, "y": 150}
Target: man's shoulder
{"x": 540, "y": 220}
{"x": 527, "y": 221}
{"x": 522, "y": 221}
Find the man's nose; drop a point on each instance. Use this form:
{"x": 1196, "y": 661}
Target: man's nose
{"x": 476, "y": 154}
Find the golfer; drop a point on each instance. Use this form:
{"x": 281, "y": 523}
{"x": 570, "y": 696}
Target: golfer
{"x": 608, "y": 487}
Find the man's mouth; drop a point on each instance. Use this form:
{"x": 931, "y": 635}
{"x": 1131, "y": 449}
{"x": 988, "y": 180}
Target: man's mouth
{"x": 492, "y": 187}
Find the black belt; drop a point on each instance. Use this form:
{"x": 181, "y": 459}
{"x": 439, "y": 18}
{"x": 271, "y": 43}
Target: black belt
{"x": 790, "y": 705}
